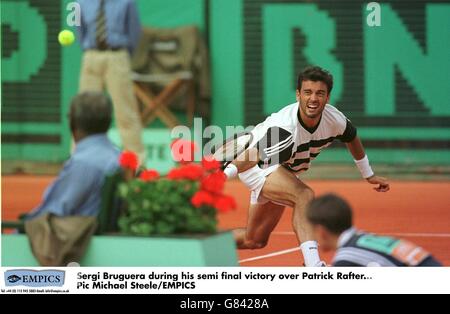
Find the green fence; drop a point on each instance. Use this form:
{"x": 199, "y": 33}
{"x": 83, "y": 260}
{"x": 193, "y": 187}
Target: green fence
{"x": 390, "y": 80}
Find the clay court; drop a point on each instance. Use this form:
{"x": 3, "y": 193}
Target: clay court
{"x": 416, "y": 211}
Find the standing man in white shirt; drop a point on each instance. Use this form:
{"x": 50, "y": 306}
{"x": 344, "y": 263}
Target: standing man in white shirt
{"x": 108, "y": 34}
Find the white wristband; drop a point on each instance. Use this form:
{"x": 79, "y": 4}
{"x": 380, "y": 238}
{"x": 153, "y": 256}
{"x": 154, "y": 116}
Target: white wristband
{"x": 364, "y": 167}
{"x": 231, "y": 171}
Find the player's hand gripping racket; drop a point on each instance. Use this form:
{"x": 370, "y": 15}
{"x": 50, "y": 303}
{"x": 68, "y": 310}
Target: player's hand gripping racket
{"x": 232, "y": 147}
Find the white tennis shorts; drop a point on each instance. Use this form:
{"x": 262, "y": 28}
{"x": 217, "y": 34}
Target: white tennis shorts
{"x": 254, "y": 178}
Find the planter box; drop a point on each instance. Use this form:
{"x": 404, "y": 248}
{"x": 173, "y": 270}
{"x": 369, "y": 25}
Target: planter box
{"x": 214, "y": 250}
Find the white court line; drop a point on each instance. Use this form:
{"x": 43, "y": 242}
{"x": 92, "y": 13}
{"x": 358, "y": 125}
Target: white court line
{"x": 399, "y": 234}
{"x": 270, "y": 255}
{"x": 288, "y": 233}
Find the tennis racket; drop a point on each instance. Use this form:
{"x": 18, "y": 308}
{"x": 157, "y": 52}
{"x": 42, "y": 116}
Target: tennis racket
{"x": 232, "y": 147}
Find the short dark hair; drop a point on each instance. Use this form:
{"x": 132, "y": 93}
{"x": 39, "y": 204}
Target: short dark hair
{"x": 90, "y": 112}
{"x": 330, "y": 211}
{"x": 315, "y": 74}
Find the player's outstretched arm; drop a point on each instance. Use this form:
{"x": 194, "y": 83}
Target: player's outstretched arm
{"x": 356, "y": 148}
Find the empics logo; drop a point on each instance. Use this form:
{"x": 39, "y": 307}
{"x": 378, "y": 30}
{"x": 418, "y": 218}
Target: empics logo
{"x": 34, "y": 278}
{"x": 13, "y": 278}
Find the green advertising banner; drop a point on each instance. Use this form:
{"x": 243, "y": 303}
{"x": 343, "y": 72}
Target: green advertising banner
{"x": 33, "y": 126}
{"x": 390, "y": 61}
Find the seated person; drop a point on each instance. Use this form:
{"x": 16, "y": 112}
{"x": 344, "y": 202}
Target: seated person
{"x": 331, "y": 218}
{"x": 59, "y": 229}
{"x": 77, "y": 189}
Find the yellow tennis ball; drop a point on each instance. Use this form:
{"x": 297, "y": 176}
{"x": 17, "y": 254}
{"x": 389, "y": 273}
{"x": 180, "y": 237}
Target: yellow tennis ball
{"x": 66, "y": 37}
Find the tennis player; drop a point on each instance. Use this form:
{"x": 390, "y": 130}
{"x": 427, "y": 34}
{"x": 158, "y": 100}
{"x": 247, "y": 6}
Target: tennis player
{"x": 331, "y": 218}
{"x": 282, "y": 147}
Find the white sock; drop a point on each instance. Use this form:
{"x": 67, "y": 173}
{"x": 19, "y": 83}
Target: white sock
{"x": 310, "y": 253}
{"x": 231, "y": 171}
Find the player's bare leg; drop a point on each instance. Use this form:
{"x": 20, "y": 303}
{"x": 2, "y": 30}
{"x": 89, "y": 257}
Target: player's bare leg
{"x": 284, "y": 187}
{"x": 262, "y": 219}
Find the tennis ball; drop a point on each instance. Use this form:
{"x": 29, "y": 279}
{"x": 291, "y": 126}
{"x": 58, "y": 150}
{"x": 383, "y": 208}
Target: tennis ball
{"x": 66, "y": 37}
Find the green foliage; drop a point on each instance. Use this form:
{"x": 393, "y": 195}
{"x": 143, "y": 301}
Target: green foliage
{"x": 163, "y": 207}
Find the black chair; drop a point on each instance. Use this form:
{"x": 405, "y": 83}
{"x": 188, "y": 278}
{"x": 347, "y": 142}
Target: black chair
{"x": 17, "y": 225}
{"x": 111, "y": 205}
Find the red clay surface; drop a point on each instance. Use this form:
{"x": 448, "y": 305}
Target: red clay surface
{"x": 416, "y": 211}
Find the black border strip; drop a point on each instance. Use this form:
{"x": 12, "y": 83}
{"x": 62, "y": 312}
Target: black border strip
{"x": 31, "y": 138}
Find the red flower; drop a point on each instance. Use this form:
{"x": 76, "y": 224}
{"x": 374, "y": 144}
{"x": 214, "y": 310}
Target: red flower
{"x": 174, "y": 174}
{"x": 209, "y": 163}
{"x": 202, "y": 198}
{"x": 149, "y": 175}
{"x": 188, "y": 171}
{"x": 225, "y": 203}
{"x": 128, "y": 160}
{"x": 214, "y": 182}
{"x": 183, "y": 150}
